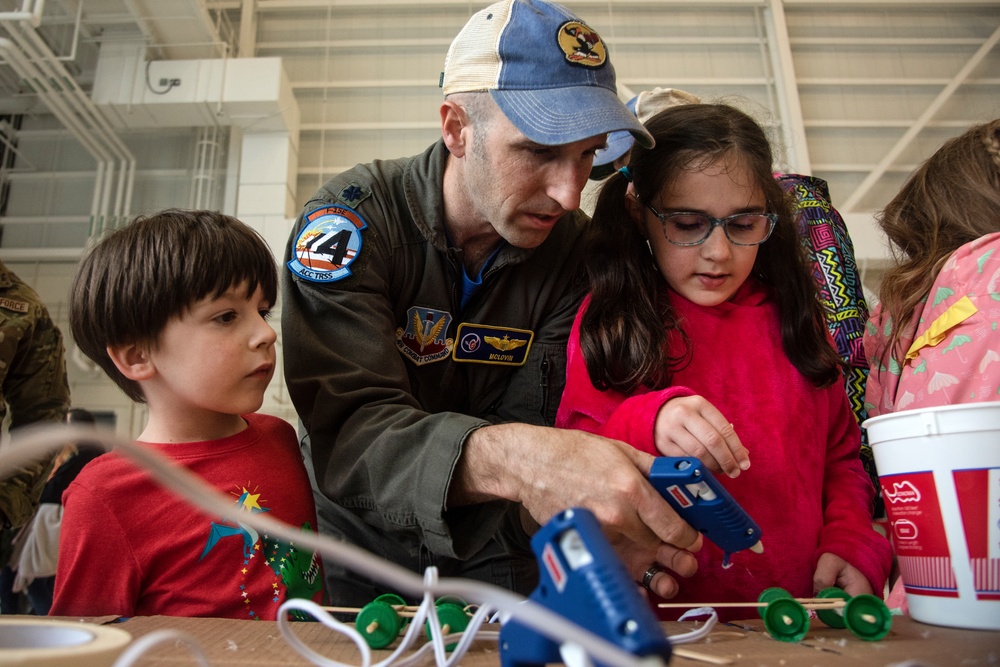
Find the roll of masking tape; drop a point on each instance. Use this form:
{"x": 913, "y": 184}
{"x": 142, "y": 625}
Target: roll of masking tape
{"x": 42, "y": 642}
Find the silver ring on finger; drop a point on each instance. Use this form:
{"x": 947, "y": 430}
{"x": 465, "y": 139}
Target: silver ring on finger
{"x": 647, "y": 577}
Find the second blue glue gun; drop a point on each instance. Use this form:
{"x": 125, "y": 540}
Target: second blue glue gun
{"x": 699, "y": 499}
{"x": 581, "y": 578}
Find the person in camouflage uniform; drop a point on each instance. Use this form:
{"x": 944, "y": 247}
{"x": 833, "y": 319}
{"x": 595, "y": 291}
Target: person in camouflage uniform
{"x": 33, "y": 388}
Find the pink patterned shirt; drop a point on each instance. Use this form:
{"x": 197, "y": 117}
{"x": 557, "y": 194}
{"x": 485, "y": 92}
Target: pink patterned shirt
{"x": 953, "y": 342}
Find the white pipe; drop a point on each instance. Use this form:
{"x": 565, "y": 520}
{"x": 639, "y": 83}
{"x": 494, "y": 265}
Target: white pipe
{"x": 86, "y": 106}
{"x": 222, "y": 83}
{"x": 67, "y": 111}
{"x": 22, "y": 27}
{"x": 7, "y": 132}
{"x": 95, "y": 131}
{"x": 787, "y": 88}
{"x": 47, "y": 61}
{"x": 106, "y": 194}
{"x": 212, "y": 165}
{"x": 120, "y": 191}
{"x": 76, "y": 34}
{"x": 919, "y": 124}
{"x": 37, "y": 12}
{"x": 32, "y": 15}
{"x": 194, "y": 198}
{"x": 128, "y": 187}
{"x": 248, "y": 29}
{"x": 96, "y": 202}
{"x": 28, "y": 68}
{"x": 20, "y": 64}
{"x": 16, "y": 16}
{"x": 203, "y": 182}
{"x": 59, "y": 255}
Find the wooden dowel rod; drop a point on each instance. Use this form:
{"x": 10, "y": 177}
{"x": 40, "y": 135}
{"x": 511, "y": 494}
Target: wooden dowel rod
{"x": 808, "y": 603}
{"x": 402, "y": 610}
{"x": 689, "y": 605}
{"x": 701, "y": 657}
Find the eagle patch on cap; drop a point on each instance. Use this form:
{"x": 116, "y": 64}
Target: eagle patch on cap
{"x": 582, "y": 45}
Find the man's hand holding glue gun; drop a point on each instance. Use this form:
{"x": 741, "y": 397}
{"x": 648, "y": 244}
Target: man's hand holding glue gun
{"x": 701, "y": 501}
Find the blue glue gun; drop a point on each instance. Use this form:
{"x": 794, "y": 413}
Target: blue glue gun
{"x": 697, "y": 496}
{"x": 582, "y": 579}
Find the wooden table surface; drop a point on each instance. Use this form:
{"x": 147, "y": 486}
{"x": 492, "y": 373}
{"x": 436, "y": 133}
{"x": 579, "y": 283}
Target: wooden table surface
{"x": 745, "y": 643}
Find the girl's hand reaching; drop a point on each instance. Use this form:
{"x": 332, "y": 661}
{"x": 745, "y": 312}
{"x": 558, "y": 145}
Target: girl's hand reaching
{"x": 832, "y": 570}
{"x": 691, "y": 426}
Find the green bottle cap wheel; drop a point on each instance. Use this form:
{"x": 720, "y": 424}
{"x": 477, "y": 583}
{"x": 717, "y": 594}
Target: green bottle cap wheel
{"x": 452, "y": 618}
{"x": 867, "y": 617}
{"x": 378, "y": 623}
{"x": 450, "y": 599}
{"x": 786, "y": 620}
{"x": 770, "y": 595}
{"x": 391, "y": 599}
{"x": 833, "y": 617}
{"x": 394, "y": 600}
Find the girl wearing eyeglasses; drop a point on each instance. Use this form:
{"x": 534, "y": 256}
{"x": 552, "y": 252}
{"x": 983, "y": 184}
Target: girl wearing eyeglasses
{"x": 702, "y": 336}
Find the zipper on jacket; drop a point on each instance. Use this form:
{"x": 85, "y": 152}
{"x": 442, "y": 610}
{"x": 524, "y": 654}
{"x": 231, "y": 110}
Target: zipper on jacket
{"x": 456, "y": 283}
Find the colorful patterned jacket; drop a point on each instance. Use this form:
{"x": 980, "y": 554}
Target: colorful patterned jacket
{"x": 825, "y": 238}
{"x": 950, "y": 350}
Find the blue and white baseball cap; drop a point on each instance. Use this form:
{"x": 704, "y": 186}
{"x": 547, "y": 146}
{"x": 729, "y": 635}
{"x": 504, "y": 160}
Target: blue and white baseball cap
{"x": 619, "y": 142}
{"x": 546, "y": 69}
{"x": 645, "y": 105}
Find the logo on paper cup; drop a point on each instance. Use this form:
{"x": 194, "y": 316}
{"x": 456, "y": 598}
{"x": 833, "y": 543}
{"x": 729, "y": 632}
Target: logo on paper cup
{"x": 904, "y": 530}
{"x": 902, "y": 492}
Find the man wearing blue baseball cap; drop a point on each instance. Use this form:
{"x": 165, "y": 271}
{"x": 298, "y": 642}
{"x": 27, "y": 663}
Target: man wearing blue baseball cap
{"x": 425, "y": 316}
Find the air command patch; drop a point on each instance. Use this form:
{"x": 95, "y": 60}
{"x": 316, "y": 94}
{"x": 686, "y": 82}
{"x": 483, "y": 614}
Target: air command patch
{"x": 424, "y": 339}
{"x": 484, "y": 344}
{"x": 327, "y": 245}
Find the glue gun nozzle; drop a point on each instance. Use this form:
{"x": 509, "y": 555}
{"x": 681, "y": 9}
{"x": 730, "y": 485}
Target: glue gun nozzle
{"x": 758, "y": 548}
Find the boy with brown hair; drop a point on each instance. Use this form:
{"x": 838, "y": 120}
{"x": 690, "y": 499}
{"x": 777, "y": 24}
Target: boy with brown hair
{"x": 174, "y": 308}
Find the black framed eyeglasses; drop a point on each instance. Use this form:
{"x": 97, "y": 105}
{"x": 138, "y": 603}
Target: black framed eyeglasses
{"x": 687, "y": 229}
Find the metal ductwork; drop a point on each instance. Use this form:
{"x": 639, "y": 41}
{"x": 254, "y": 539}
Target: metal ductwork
{"x": 44, "y": 74}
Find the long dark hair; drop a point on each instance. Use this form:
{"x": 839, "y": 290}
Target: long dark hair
{"x": 625, "y": 330}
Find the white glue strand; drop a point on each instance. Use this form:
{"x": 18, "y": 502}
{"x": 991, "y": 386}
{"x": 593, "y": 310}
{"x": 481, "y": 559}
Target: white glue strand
{"x": 143, "y": 645}
{"x": 33, "y": 442}
{"x": 697, "y": 634}
{"x": 395, "y": 659}
{"x": 320, "y": 614}
{"x": 440, "y": 641}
